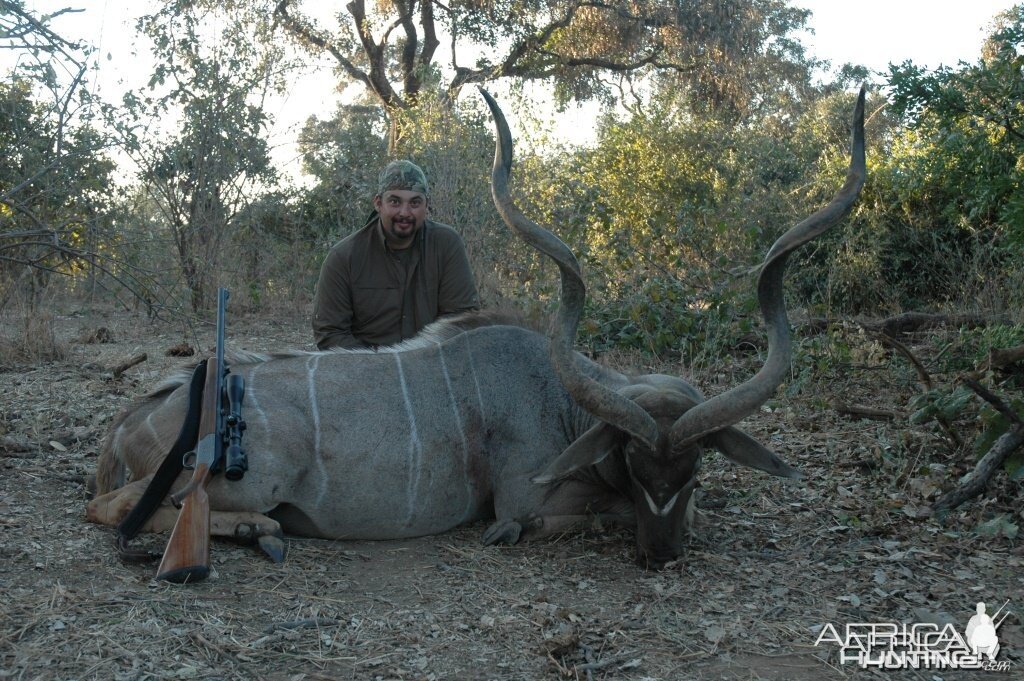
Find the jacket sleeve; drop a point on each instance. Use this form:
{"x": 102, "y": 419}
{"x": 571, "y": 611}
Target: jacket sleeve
{"x": 457, "y": 286}
{"x": 332, "y": 304}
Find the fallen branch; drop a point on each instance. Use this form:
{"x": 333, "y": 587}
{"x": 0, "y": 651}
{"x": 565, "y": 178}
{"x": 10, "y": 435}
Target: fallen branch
{"x": 976, "y": 481}
{"x": 866, "y": 412}
{"x": 997, "y": 403}
{"x": 1004, "y": 357}
{"x": 10, "y": 446}
{"x": 128, "y": 364}
{"x": 919, "y": 321}
{"x": 922, "y": 373}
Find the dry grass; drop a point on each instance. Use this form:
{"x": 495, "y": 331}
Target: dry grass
{"x": 770, "y": 564}
{"x": 29, "y": 338}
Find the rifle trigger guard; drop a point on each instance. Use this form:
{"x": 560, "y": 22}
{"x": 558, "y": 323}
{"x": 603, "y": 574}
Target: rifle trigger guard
{"x": 188, "y": 460}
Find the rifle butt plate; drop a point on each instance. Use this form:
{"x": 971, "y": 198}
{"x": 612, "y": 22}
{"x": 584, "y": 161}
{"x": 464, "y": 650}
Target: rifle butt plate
{"x": 185, "y": 575}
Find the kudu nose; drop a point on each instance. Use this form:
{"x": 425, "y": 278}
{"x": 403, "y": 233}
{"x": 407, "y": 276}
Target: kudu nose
{"x": 654, "y": 560}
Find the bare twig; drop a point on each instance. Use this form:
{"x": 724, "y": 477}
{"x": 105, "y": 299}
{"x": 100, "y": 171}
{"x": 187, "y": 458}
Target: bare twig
{"x": 997, "y": 403}
{"x": 310, "y": 623}
{"x": 926, "y": 382}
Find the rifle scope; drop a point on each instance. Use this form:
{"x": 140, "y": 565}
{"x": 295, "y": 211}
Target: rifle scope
{"x": 235, "y": 461}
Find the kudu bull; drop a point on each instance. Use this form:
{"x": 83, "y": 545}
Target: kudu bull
{"x": 460, "y": 425}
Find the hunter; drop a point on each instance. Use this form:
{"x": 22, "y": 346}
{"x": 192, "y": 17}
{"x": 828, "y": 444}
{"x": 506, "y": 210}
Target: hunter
{"x": 399, "y": 272}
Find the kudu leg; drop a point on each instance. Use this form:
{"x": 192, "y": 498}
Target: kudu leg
{"x": 572, "y": 505}
{"x": 539, "y": 526}
{"x": 112, "y": 507}
{"x": 245, "y": 526}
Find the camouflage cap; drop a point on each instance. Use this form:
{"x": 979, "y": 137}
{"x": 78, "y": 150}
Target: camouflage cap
{"x": 404, "y": 176}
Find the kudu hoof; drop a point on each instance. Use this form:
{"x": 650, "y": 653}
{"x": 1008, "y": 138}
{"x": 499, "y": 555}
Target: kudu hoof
{"x": 269, "y": 541}
{"x": 503, "y": 532}
{"x": 275, "y": 547}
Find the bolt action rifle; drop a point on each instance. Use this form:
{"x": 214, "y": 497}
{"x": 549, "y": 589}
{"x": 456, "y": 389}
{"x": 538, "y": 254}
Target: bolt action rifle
{"x": 187, "y": 555}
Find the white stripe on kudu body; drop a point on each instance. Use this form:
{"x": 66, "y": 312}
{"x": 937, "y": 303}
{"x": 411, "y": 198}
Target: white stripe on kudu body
{"x": 462, "y": 431}
{"x": 476, "y": 380}
{"x": 311, "y": 366}
{"x": 152, "y": 429}
{"x": 252, "y": 399}
{"x": 415, "y": 447}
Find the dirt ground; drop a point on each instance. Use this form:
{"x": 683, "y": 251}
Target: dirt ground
{"x": 771, "y": 564}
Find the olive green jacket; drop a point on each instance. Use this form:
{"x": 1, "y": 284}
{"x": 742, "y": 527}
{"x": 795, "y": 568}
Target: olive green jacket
{"x": 366, "y": 295}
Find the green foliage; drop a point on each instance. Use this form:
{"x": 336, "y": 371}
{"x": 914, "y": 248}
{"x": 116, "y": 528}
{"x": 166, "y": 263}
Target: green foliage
{"x": 343, "y": 154}
{"x": 816, "y": 357}
{"x": 275, "y": 255}
{"x": 670, "y": 213}
{"x": 951, "y": 186}
{"x": 621, "y": 207}
{"x": 957, "y": 403}
{"x": 49, "y": 173}
{"x": 214, "y": 64}
{"x": 55, "y": 174}
{"x": 662, "y": 318}
{"x": 757, "y": 66}
{"x": 843, "y": 270}
{"x": 55, "y": 191}
{"x": 971, "y": 348}
{"x": 827, "y": 357}
{"x": 940, "y": 405}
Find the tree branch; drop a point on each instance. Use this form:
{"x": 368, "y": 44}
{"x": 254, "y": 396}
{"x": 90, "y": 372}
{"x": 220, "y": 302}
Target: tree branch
{"x": 430, "y": 41}
{"x": 513, "y": 65}
{"x": 411, "y": 82}
{"x": 306, "y": 32}
{"x": 377, "y": 79}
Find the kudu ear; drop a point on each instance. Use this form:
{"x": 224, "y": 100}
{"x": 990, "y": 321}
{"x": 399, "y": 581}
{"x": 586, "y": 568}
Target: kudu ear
{"x": 740, "y": 448}
{"x": 590, "y": 448}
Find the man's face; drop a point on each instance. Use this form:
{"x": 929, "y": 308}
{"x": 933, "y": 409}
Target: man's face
{"x": 402, "y": 213}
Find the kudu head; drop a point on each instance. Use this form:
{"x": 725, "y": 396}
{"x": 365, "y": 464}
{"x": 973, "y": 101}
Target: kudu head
{"x": 659, "y": 426}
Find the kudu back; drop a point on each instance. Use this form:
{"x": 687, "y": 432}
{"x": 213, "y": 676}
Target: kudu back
{"x": 472, "y": 419}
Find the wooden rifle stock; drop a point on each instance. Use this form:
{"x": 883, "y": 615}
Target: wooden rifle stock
{"x": 187, "y": 555}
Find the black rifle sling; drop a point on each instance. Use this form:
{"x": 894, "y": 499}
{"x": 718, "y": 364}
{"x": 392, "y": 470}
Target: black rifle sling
{"x": 165, "y": 476}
